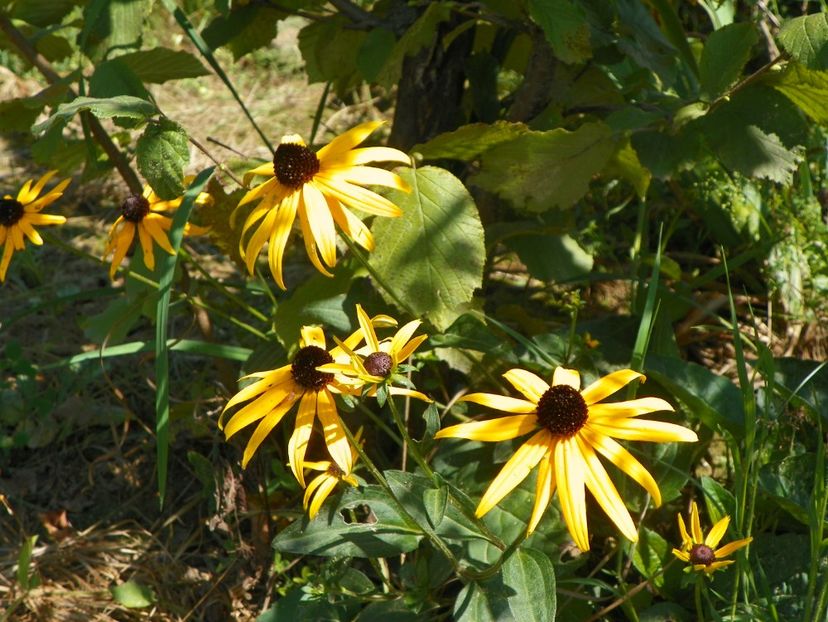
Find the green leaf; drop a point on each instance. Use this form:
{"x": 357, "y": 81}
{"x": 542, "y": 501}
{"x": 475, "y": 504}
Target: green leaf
{"x": 469, "y": 141}
{"x": 714, "y": 399}
{"x": 433, "y": 254}
{"x": 719, "y": 500}
{"x": 805, "y": 88}
{"x": 790, "y": 482}
{"x": 649, "y": 555}
{"x": 122, "y": 106}
{"x": 791, "y": 373}
{"x": 330, "y": 535}
{"x": 43, "y": 13}
{"x": 565, "y": 26}
{"x": 159, "y": 65}
{"x": 108, "y": 24}
{"x": 245, "y": 29}
{"x": 329, "y": 49}
{"x": 724, "y": 56}
{"x": 553, "y": 258}
{"x": 162, "y": 153}
{"x": 19, "y": 114}
{"x": 132, "y": 595}
{"x": 24, "y": 562}
{"x": 542, "y": 170}
{"x": 664, "y": 153}
{"x": 806, "y": 39}
{"x": 374, "y": 52}
{"x": 625, "y": 164}
{"x": 113, "y": 78}
{"x": 531, "y": 576}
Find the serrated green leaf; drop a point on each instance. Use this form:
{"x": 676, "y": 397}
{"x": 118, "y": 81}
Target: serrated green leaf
{"x": 123, "y": 106}
{"x": 159, "y": 65}
{"x": 805, "y": 88}
{"x": 113, "y": 78}
{"x": 330, "y": 52}
{"x": 162, "y": 153}
{"x": 108, "y": 25}
{"x": 806, "y": 40}
{"x": 539, "y": 171}
{"x": 626, "y": 165}
{"x": 469, "y": 141}
{"x": 244, "y": 29}
{"x": 43, "y": 13}
{"x": 724, "y": 56}
{"x": 132, "y": 595}
{"x": 565, "y": 26}
{"x": 433, "y": 254}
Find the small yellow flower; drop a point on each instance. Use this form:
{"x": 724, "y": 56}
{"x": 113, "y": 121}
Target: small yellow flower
{"x": 569, "y": 427}
{"x": 142, "y": 214}
{"x": 376, "y": 363}
{"x": 321, "y": 486}
{"x": 19, "y": 215}
{"x": 701, "y": 552}
{"x": 320, "y": 187}
{"x": 276, "y": 391}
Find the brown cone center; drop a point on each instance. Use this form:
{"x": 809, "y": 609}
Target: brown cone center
{"x": 378, "y": 364}
{"x": 11, "y": 211}
{"x": 562, "y": 410}
{"x": 294, "y": 165}
{"x": 304, "y": 367}
{"x": 135, "y": 208}
{"x": 702, "y": 554}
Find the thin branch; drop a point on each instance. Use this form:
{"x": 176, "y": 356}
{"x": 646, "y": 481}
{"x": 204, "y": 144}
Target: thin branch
{"x": 356, "y": 14}
{"x": 221, "y": 166}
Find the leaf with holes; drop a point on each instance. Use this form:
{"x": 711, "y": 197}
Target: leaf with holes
{"x": 162, "y": 153}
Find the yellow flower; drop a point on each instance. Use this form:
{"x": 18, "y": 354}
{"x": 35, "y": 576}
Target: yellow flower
{"x": 321, "y": 486}
{"x": 19, "y": 215}
{"x": 141, "y": 214}
{"x": 376, "y": 363}
{"x": 276, "y": 392}
{"x": 701, "y": 552}
{"x": 569, "y": 427}
{"x": 320, "y": 187}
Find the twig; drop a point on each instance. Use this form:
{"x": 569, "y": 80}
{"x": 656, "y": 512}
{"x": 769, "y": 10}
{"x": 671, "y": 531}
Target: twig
{"x": 221, "y": 166}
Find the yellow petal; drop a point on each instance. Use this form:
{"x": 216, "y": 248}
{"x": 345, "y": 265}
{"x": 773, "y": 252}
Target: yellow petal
{"x": 714, "y": 566}
{"x": 46, "y": 219}
{"x": 268, "y": 379}
{"x": 277, "y": 400}
{"x": 515, "y": 470}
{"x": 569, "y": 377}
{"x": 29, "y": 232}
{"x": 695, "y": 524}
{"x": 8, "y": 250}
{"x": 686, "y": 540}
{"x": 146, "y": 246}
{"x": 631, "y": 408}
{"x": 322, "y": 493}
{"x": 409, "y": 348}
{"x": 600, "y": 485}
{"x": 366, "y": 155}
{"x": 157, "y": 234}
{"x": 500, "y": 429}
{"x": 367, "y": 176}
{"x": 343, "y": 143}
{"x": 643, "y": 430}
{"x": 123, "y": 240}
{"x": 501, "y": 402}
{"x": 715, "y": 535}
{"x": 357, "y": 197}
{"x": 257, "y": 240}
{"x": 321, "y": 223}
{"x": 682, "y": 555}
{"x": 28, "y": 194}
{"x": 527, "y": 383}
{"x": 312, "y": 486}
{"x": 309, "y": 240}
{"x": 729, "y": 548}
{"x": 286, "y": 214}
{"x": 401, "y": 338}
{"x": 367, "y": 327}
{"x": 261, "y": 432}
{"x": 265, "y": 170}
{"x": 410, "y": 393}
{"x": 609, "y": 384}
{"x": 544, "y": 487}
{"x": 312, "y": 336}
{"x": 624, "y": 460}
{"x": 339, "y": 447}
{"x": 259, "y": 191}
{"x": 298, "y": 443}
{"x": 352, "y": 226}
{"x": 569, "y": 471}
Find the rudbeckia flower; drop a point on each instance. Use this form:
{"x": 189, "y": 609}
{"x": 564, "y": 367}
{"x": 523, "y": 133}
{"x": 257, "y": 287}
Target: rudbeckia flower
{"x": 142, "y": 214}
{"x": 701, "y": 552}
{"x": 275, "y": 392}
{"x": 376, "y": 363}
{"x": 569, "y": 429}
{"x": 321, "y": 486}
{"x": 320, "y": 187}
{"x": 18, "y": 217}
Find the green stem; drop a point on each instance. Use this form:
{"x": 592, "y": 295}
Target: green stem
{"x": 375, "y": 275}
{"x": 409, "y": 442}
{"x": 698, "y": 599}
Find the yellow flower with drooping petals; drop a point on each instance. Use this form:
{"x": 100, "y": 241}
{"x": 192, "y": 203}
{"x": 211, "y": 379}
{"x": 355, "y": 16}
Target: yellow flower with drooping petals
{"x": 141, "y": 214}
{"x": 570, "y": 428}
{"x": 701, "y": 551}
{"x": 321, "y": 187}
{"x": 19, "y": 216}
{"x": 321, "y": 486}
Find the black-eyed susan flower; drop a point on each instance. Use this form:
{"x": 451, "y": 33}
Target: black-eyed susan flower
{"x": 377, "y": 362}
{"x": 142, "y": 214}
{"x": 570, "y": 428}
{"x": 321, "y": 486}
{"x": 321, "y": 187}
{"x": 275, "y": 392}
{"x": 19, "y": 215}
{"x": 701, "y": 552}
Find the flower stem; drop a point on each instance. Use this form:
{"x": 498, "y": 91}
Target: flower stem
{"x": 375, "y": 275}
{"x": 409, "y": 442}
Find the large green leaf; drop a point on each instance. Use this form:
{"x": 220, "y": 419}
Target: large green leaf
{"x": 108, "y": 24}
{"x": 162, "y": 153}
{"x": 113, "y": 78}
{"x": 330, "y": 535}
{"x": 724, "y": 56}
{"x": 161, "y": 64}
{"x": 329, "y": 49}
{"x": 244, "y": 29}
{"x": 806, "y": 39}
{"x": 123, "y": 106}
{"x": 807, "y": 89}
{"x": 552, "y": 257}
{"x": 542, "y": 170}
{"x": 432, "y": 256}
{"x": 565, "y": 25}
{"x": 790, "y": 483}
{"x": 43, "y": 13}
{"x": 469, "y": 141}
{"x": 808, "y": 378}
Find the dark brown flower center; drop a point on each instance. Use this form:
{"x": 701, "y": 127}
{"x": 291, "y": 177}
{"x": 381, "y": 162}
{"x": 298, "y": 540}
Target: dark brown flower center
{"x": 134, "y": 208}
{"x": 562, "y": 410}
{"x": 294, "y": 165}
{"x": 304, "y": 368}
{"x": 335, "y": 471}
{"x": 378, "y": 364}
{"x": 702, "y": 554}
{"x": 11, "y": 211}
